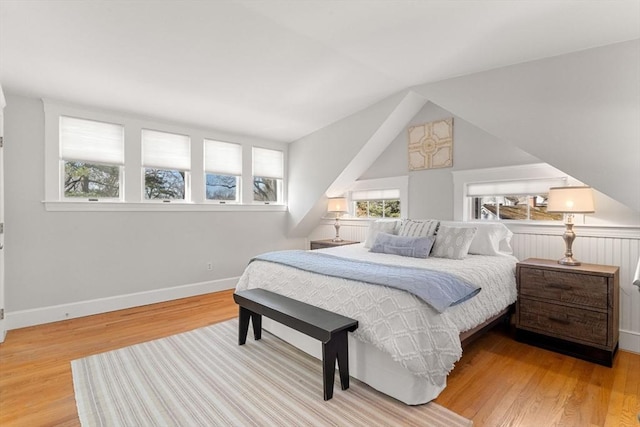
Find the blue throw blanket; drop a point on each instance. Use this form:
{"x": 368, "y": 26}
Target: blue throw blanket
{"x": 438, "y": 289}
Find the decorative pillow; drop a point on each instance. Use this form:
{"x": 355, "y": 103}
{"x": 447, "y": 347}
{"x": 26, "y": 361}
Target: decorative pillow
{"x": 491, "y": 238}
{"x": 416, "y": 247}
{"x": 380, "y": 226}
{"x": 418, "y": 228}
{"x": 453, "y": 242}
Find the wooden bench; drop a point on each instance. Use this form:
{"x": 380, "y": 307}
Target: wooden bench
{"x": 328, "y": 327}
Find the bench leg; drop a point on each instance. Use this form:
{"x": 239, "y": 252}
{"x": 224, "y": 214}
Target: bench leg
{"x": 343, "y": 358}
{"x": 336, "y": 348}
{"x": 329, "y": 354}
{"x": 244, "y": 316}
{"x": 256, "y": 319}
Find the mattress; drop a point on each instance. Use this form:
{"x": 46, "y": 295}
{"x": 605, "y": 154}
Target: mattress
{"x": 403, "y": 347}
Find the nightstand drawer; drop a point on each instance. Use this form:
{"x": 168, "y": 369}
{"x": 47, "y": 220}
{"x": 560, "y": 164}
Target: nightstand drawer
{"x": 582, "y": 289}
{"x": 563, "y": 322}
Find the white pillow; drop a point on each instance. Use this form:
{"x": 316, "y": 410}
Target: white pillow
{"x": 418, "y": 227}
{"x": 453, "y": 242}
{"x": 492, "y": 238}
{"x": 389, "y": 226}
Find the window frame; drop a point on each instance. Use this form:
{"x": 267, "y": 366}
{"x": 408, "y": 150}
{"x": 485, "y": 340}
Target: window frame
{"x": 63, "y": 159}
{"x": 279, "y": 180}
{"x": 186, "y": 169}
{"x": 393, "y": 194}
{"x": 238, "y": 176}
{"x": 526, "y": 173}
{"x": 399, "y": 183}
{"x": 132, "y": 175}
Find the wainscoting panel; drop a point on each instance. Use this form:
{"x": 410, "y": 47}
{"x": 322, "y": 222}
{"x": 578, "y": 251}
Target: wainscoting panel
{"x": 350, "y": 229}
{"x": 593, "y": 245}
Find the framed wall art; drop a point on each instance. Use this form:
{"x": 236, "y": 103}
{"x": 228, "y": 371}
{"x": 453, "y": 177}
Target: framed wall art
{"x": 431, "y": 145}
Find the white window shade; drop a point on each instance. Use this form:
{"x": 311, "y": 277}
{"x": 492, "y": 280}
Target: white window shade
{"x": 388, "y": 194}
{"x": 164, "y": 150}
{"x": 91, "y": 141}
{"x": 513, "y": 188}
{"x": 222, "y": 157}
{"x": 268, "y": 163}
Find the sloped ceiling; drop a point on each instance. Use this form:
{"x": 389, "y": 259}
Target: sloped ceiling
{"x": 279, "y": 69}
{"x": 327, "y": 162}
{"x": 578, "y": 112}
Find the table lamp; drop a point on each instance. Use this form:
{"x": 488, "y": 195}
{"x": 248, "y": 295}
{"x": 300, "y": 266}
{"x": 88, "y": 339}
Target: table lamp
{"x": 338, "y": 206}
{"x": 570, "y": 201}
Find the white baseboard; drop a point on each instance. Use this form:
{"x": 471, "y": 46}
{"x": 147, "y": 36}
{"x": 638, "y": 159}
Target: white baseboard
{"x": 630, "y": 341}
{"x": 39, "y": 316}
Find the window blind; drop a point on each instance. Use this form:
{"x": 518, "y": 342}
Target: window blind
{"x": 513, "y": 188}
{"x": 268, "y": 163}
{"x": 164, "y": 150}
{"x": 388, "y": 194}
{"x": 91, "y": 141}
{"x": 222, "y": 157}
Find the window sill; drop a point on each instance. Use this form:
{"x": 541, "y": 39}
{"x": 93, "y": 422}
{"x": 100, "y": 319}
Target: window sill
{"x": 57, "y": 206}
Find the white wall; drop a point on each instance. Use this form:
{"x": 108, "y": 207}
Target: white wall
{"x": 577, "y": 112}
{"x": 325, "y": 162}
{"x": 431, "y": 191}
{"x": 61, "y": 258}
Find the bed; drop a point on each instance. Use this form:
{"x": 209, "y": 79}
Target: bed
{"x": 404, "y": 347}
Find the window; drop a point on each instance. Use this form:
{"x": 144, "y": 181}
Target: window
{"x": 268, "y": 172}
{"x": 512, "y": 200}
{"x": 376, "y": 203}
{"x": 223, "y": 169}
{"x": 91, "y": 158}
{"x": 166, "y": 161}
{"x": 99, "y": 160}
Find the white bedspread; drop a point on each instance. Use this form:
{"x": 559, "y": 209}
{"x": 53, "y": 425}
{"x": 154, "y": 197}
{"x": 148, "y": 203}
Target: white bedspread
{"x": 396, "y": 322}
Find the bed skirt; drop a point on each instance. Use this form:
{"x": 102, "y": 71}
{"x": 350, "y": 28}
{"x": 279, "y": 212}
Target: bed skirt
{"x": 380, "y": 371}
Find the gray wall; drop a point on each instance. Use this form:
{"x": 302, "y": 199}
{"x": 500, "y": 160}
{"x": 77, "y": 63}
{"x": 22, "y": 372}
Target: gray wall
{"x": 327, "y": 160}
{"x": 63, "y": 257}
{"x": 578, "y": 112}
{"x": 431, "y": 191}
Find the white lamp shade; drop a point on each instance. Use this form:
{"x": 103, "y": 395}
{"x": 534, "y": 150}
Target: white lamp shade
{"x": 337, "y": 204}
{"x": 570, "y": 200}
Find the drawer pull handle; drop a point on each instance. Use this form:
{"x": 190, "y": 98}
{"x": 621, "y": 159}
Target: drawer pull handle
{"x": 560, "y": 286}
{"x": 559, "y": 320}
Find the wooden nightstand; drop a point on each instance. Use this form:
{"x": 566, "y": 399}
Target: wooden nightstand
{"x": 569, "y": 309}
{"x": 328, "y": 243}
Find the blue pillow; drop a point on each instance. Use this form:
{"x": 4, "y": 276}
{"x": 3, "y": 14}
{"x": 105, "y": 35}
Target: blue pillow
{"x": 416, "y": 247}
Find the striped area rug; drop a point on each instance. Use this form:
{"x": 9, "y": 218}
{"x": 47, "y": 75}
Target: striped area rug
{"x": 203, "y": 378}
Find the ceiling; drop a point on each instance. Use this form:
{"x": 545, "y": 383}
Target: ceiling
{"x": 279, "y": 69}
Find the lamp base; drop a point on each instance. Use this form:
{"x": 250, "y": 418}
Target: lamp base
{"x": 337, "y": 226}
{"x": 568, "y": 237}
{"x": 569, "y": 260}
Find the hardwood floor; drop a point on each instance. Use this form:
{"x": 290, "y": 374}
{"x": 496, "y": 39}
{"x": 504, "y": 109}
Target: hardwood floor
{"x": 498, "y": 381}
{"x": 501, "y": 382}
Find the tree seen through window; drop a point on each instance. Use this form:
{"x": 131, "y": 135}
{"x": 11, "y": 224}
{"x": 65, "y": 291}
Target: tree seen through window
{"x": 222, "y": 187}
{"x": 378, "y": 208}
{"x": 164, "y": 184}
{"x": 90, "y": 180}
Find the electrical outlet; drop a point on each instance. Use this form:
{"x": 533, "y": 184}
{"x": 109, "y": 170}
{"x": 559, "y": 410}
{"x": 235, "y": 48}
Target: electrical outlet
{"x": 210, "y": 265}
